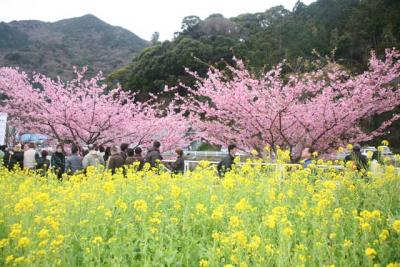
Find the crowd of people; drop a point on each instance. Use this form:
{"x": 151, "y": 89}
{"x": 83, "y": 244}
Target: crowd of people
{"x": 29, "y": 157}
{"x": 113, "y": 158}
{"x": 308, "y": 155}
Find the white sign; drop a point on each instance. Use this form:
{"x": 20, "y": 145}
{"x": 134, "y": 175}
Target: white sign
{"x": 3, "y": 122}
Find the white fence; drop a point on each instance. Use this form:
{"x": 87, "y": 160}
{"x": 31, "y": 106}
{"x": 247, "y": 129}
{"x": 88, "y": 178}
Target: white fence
{"x": 202, "y": 154}
{"x": 191, "y": 164}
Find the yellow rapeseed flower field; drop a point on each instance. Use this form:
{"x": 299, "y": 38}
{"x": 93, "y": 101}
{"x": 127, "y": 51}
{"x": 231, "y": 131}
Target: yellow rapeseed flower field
{"x": 254, "y": 216}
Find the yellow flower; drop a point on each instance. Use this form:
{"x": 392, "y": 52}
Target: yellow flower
{"x": 24, "y": 242}
{"x": 121, "y": 204}
{"x": 385, "y": 143}
{"x": 393, "y": 264}
{"x": 349, "y": 146}
{"x": 52, "y": 223}
{"x": 269, "y": 249}
{"x": 213, "y": 198}
{"x": 19, "y": 260}
{"x": 43, "y": 243}
{"x": 109, "y": 188}
{"x": 200, "y": 208}
{"x": 218, "y": 213}
{"x": 337, "y": 214}
{"x": 58, "y": 241}
{"x": 254, "y": 152}
{"x": 384, "y": 235}
{"x": 271, "y": 221}
{"x": 159, "y": 198}
{"x": 155, "y": 220}
{"x": 234, "y": 221}
{"x": 43, "y": 197}
{"x": 204, "y": 164}
{"x": 243, "y": 205}
{"x": 216, "y": 236}
{"x": 177, "y": 205}
{"x": 347, "y": 243}
{"x": 97, "y": 240}
{"x": 255, "y": 242}
{"x": 175, "y": 191}
{"x": 174, "y": 220}
{"x": 44, "y": 233}
{"x": 9, "y": 259}
{"x": 41, "y": 252}
{"x": 203, "y": 263}
{"x": 366, "y": 227}
{"x": 140, "y": 205}
{"x": 288, "y": 231}
{"x": 239, "y": 238}
{"x": 370, "y": 252}
{"x": 108, "y": 213}
{"x": 3, "y": 242}
{"x": 24, "y": 205}
{"x": 396, "y": 226}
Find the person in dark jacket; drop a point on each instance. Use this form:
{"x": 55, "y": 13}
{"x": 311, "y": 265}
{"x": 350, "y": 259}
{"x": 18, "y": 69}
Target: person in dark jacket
{"x": 358, "y": 158}
{"x": 58, "y": 162}
{"x": 307, "y": 156}
{"x": 135, "y": 156}
{"x": 107, "y": 154}
{"x": 124, "y": 147}
{"x": 226, "y": 163}
{"x": 6, "y": 157}
{"x": 154, "y": 154}
{"x": 16, "y": 158}
{"x": 73, "y": 162}
{"x": 3, "y": 149}
{"x": 42, "y": 163}
{"x": 115, "y": 161}
{"x": 179, "y": 165}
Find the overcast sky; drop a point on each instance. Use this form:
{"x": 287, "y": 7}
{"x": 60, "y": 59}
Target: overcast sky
{"x": 141, "y": 17}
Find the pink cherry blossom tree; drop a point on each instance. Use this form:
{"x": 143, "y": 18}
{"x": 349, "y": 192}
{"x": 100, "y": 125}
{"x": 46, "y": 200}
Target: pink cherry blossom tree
{"x": 84, "y": 112}
{"x": 322, "y": 109}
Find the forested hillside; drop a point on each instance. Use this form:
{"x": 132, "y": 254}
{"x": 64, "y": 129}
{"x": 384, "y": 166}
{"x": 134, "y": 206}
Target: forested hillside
{"x": 54, "y": 48}
{"x": 349, "y": 28}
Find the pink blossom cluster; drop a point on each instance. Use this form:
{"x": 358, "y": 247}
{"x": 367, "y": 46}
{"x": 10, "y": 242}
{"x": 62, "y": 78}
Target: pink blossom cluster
{"x": 84, "y": 112}
{"x": 322, "y": 109}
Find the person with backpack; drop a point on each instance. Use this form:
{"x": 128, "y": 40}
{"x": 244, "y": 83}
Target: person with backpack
{"x": 116, "y": 160}
{"x": 43, "y": 163}
{"x": 124, "y": 147}
{"x": 154, "y": 154}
